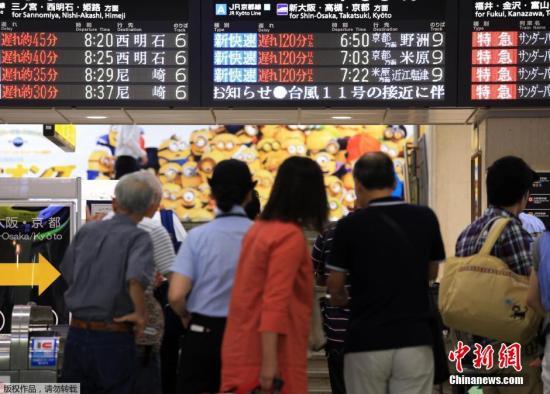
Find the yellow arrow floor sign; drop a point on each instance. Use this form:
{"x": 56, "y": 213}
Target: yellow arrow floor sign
{"x": 42, "y": 274}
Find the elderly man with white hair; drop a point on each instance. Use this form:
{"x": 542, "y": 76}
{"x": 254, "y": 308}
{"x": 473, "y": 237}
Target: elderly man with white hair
{"x": 107, "y": 267}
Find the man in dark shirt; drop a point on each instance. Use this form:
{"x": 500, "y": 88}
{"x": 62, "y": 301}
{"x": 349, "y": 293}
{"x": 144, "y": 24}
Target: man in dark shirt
{"x": 391, "y": 250}
{"x": 107, "y": 268}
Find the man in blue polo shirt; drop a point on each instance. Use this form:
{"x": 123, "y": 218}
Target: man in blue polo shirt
{"x": 203, "y": 274}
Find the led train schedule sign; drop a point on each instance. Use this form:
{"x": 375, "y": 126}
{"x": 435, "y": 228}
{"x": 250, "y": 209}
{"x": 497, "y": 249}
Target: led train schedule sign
{"x": 508, "y": 52}
{"x": 331, "y": 52}
{"x": 98, "y": 52}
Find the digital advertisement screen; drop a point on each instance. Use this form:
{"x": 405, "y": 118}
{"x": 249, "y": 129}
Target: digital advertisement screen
{"x": 98, "y": 53}
{"x": 506, "y": 53}
{"x": 351, "y": 52}
{"x": 33, "y": 235}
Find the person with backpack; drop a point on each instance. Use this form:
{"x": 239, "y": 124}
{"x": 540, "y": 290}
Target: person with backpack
{"x": 508, "y": 182}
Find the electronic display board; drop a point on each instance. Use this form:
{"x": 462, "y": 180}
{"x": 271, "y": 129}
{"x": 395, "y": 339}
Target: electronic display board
{"x": 99, "y": 52}
{"x": 329, "y": 52}
{"x": 506, "y": 57}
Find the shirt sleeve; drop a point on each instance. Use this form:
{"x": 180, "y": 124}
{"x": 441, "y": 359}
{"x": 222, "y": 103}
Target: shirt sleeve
{"x": 163, "y": 250}
{"x": 340, "y": 257}
{"x": 285, "y": 257}
{"x": 185, "y": 261}
{"x": 437, "y": 248}
{"x": 535, "y": 251}
{"x": 140, "y": 260}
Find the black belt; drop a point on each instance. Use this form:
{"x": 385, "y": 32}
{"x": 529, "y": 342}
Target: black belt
{"x": 204, "y": 324}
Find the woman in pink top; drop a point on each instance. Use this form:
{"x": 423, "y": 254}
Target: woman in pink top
{"x": 269, "y": 317}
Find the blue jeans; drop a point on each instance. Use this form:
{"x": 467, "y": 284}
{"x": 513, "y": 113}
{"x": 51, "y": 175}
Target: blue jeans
{"x": 102, "y": 362}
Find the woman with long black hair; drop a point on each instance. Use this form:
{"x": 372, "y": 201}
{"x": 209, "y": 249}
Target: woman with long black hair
{"x": 269, "y": 317}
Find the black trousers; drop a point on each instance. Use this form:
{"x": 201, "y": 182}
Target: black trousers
{"x": 335, "y": 360}
{"x": 125, "y": 165}
{"x": 200, "y": 357}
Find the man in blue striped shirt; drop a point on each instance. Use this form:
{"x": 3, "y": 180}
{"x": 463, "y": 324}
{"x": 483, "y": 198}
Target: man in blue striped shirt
{"x": 335, "y": 319}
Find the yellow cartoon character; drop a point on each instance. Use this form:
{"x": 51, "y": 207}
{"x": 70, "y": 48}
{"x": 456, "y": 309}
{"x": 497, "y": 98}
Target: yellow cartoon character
{"x": 191, "y": 208}
{"x": 226, "y": 144}
{"x": 270, "y": 131}
{"x": 207, "y": 163}
{"x": 395, "y": 133}
{"x": 349, "y": 200}
{"x": 322, "y": 140}
{"x": 200, "y": 142}
{"x": 170, "y": 173}
{"x": 335, "y": 187}
{"x": 248, "y": 135}
{"x": 100, "y": 164}
{"x": 288, "y": 134}
{"x": 400, "y": 168}
{"x": 326, "y": 161}
{"x": 349, "y": 182}
{"x": 206, "y": 197}
{"x": 392, "y": 149}
{"x": 264, "y": 185}
{"x": 336, "y": 210}
{"x": 294, "y": 147}
{"x": 271, "y": 153}
{"x": 173, "y": 150}
{"x": 251, "y": 157}
{"x": 190, "y": 176}
{"x": 171, "y": 196}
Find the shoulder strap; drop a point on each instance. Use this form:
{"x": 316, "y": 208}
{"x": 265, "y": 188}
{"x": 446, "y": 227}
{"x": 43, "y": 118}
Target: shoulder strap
{"x": 494, "y": 234}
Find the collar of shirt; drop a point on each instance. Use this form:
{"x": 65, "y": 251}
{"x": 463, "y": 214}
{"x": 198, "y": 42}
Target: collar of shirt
{"x": 117, "y": 217}
{"x": 495, "y": 211}
{"x": 236, "y": 210}
{"x": 386, "y": 201}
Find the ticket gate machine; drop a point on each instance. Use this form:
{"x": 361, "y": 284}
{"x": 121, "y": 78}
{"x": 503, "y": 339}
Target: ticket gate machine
{"x": 33, "y": 351}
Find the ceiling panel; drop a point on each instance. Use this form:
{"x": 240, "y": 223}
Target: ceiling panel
{"x": 354, "y": 116}
{"x": 172, "y": 116}
{"x": 80, "y": 116}
{"x": 429, "y": 116}
{"x": 257, "y": 116}
{"x": 31, "y": 116}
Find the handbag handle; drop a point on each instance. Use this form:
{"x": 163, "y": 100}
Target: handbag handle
{"x": 496, "y": 231}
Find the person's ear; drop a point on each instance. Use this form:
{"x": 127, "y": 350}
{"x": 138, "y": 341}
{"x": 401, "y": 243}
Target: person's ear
{"x": 115, "y": 205}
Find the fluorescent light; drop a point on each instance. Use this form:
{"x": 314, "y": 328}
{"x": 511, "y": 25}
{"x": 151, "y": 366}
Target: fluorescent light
{"x": 96, "y": 117}
{"x": 342, "y": 117}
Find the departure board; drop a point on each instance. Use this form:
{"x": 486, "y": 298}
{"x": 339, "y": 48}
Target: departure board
{"x": 104, "y": 52}
{"x": 506, "y": 59}
{"x": 329, "y": 52}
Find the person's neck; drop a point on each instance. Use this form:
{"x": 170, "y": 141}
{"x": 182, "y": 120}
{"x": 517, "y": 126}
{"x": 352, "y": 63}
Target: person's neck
{"x": 134, "y": 217}
{"x": 375, "y": 194}
{"x": 514, "y": 209}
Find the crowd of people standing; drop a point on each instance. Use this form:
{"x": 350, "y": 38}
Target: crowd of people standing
{"x": 243, "y": 284}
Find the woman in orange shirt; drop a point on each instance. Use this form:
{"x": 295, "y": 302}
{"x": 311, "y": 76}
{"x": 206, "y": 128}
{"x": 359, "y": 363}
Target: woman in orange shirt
{"x": 269, "y": 317}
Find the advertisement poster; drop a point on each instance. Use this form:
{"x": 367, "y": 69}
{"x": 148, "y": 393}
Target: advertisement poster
{"x": 185, "y": 156}
{"x": 33, "y": 241}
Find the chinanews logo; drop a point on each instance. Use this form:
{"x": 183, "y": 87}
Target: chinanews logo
{"x": 485, "y": 368}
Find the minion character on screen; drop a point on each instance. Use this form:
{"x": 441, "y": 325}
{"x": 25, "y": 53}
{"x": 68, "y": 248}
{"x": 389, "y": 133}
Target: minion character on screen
{"x": 173, "y": 150}
{"x": 101, "y": 164}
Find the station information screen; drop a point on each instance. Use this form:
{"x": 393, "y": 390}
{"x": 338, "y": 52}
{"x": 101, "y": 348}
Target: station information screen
{"x": 329, "y": 52}
{"x": 507, "y": 52}
{"x": 106, "y": 52}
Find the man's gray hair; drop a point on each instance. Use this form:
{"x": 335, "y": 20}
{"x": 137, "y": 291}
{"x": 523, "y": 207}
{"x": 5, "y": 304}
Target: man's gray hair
{"x": 136, "y": 192}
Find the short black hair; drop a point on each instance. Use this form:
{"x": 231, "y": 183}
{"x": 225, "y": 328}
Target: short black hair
{"x": 253, "y": 207}
{"x": 375, "y": 171}
{"x": 298, "y": 194}
{"x": 508, "y": 181}
{"x": 230, "y": 183}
